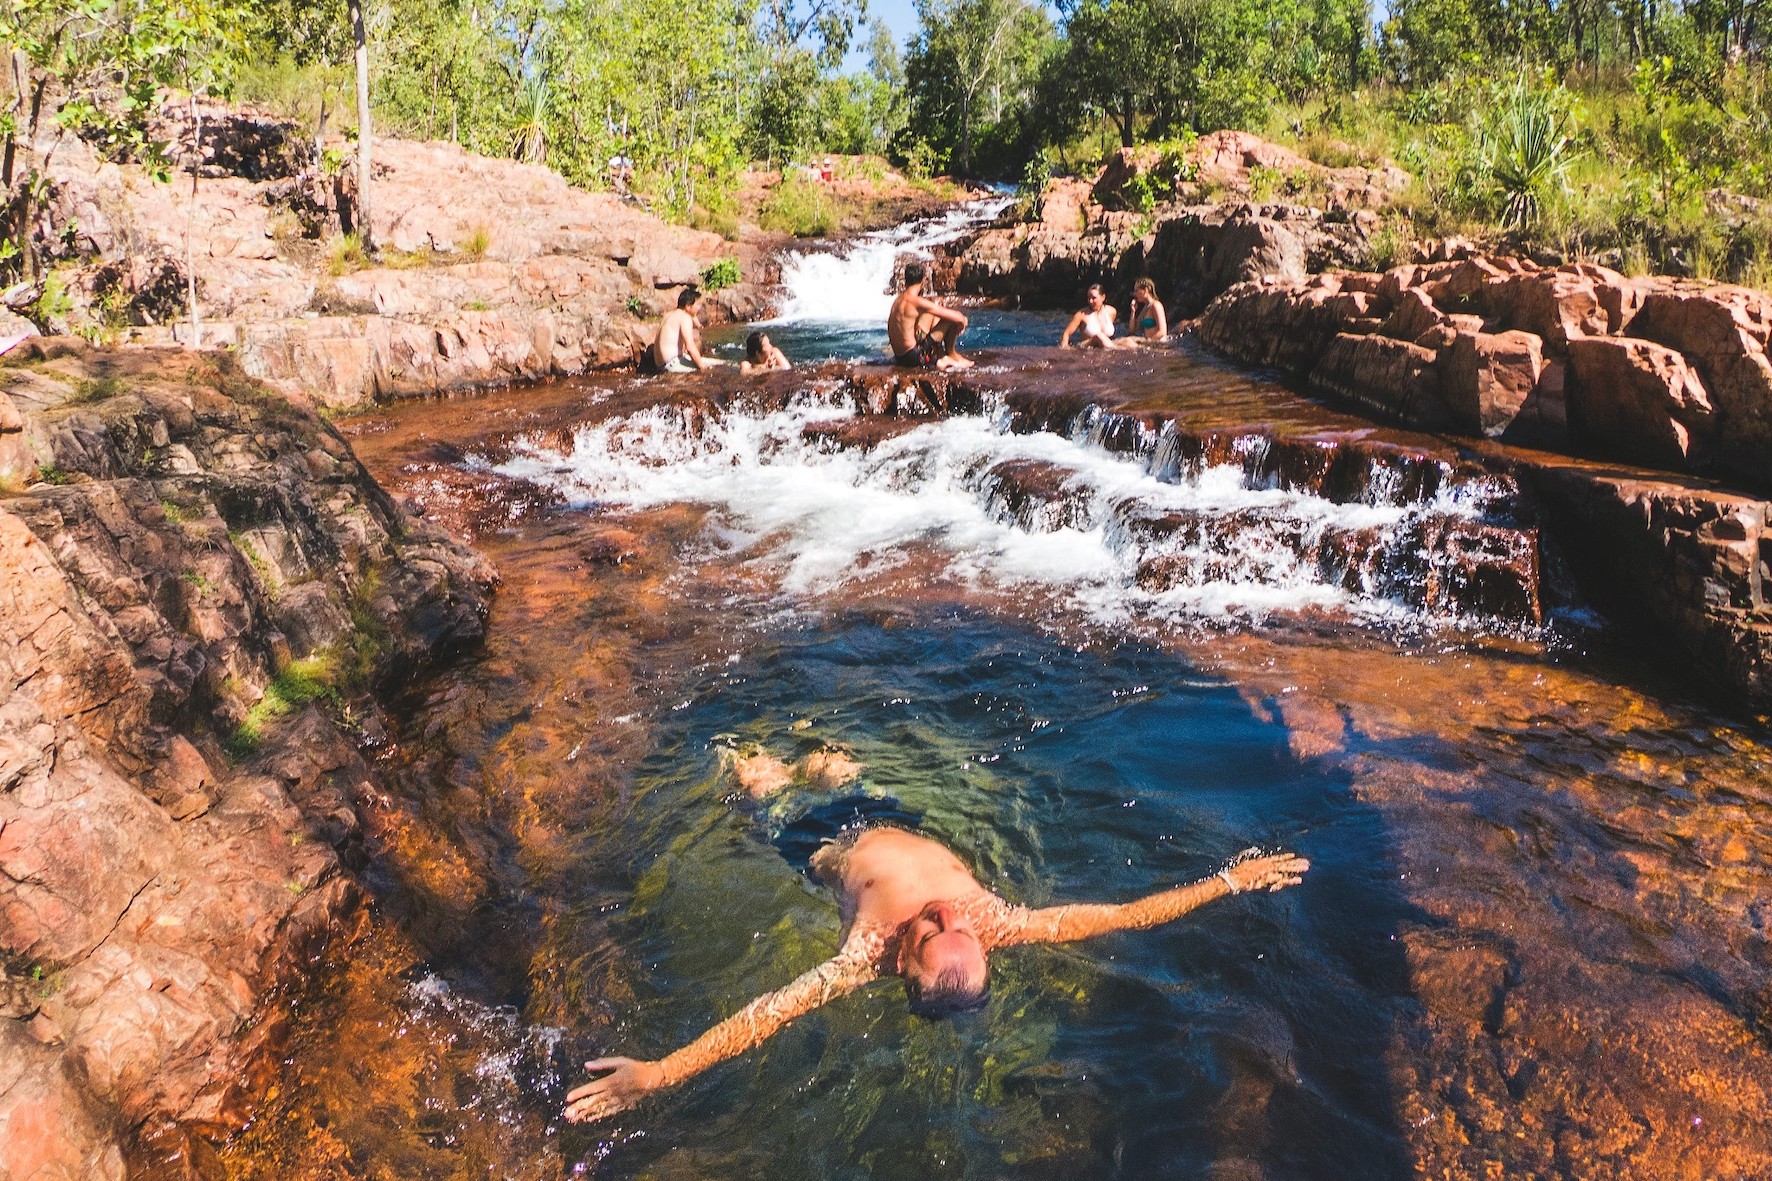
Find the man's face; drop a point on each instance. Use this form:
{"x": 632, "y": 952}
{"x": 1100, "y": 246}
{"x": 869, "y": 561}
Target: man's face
{"x": 941, "y": 940}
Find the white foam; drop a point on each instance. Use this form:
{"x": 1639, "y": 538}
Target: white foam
{"x": 818, "y": 517}
{"x": 850, "y": 285}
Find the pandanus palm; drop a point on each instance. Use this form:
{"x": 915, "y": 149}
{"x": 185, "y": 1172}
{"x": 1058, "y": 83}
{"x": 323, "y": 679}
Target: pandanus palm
{"x": 1526, "y": 149}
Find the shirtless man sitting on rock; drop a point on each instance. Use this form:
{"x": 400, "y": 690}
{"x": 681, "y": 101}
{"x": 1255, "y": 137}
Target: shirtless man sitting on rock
{"x": 910, "y": 908}
{"x": 678, "y": 347}
{"x": 924, "y": 333}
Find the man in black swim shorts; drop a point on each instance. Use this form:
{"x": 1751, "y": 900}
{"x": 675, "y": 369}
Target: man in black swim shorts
{"x": 910, "y": 908}
{"x": 924, "y": 334}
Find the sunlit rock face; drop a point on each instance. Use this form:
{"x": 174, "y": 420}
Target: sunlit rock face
{"x": 1666, "y": 372}
{"x": 176, "y": 815}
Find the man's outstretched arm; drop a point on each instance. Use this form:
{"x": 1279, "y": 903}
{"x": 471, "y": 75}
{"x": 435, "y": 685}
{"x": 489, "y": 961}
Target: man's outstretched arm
{"x": 1062, "y": 924}
{"x": 630, "y": 1080}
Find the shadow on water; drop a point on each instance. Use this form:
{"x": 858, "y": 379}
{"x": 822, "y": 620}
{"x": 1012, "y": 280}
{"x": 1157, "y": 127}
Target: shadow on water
{"x": 1245, "y": 1041}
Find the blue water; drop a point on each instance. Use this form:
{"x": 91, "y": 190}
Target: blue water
{"x": 810, "y": 342}
{"x": 1242, "y": 1033}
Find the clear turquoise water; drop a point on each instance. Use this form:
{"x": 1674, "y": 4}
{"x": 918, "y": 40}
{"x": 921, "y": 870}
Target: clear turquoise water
{"x": 813, "y": 341}
{"x": 1059, "y": 774}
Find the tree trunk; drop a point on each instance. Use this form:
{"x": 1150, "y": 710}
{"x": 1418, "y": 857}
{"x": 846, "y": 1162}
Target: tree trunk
{"x": 1131, "y": 113}
{"x": 965, "y": 161}
{"x": 364, "y": 134}
{"x": 190, "y": 217}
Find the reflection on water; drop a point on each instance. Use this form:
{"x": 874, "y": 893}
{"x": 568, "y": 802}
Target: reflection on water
{"x": 1533, "y": 944}
{"x": 1058, "y": 775}
{"x": 808, "y": 342}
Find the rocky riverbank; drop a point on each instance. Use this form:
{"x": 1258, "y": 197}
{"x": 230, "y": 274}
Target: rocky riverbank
{"x": 201, "y": 593}
{"x": 1234, "y": 208}
{"x": 489, "y": 270}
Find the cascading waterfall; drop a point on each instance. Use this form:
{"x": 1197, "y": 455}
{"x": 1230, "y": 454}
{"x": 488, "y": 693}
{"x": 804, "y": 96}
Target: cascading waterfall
{"x": 1132, "y": 532}
{"x": 850, "y": 284}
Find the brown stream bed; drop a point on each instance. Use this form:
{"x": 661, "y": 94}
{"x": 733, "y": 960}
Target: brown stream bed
{"x": 1533, "y": 945}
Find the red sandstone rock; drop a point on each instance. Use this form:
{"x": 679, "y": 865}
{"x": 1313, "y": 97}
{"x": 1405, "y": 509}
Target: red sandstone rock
{"x": 1393, "y": 379}
{"x": 1414, "y": 316}
{"x": 1556, "y": 306}
{"x": 1631, "y": 399}
{"x": 1487, "y": 378}
{"x": 169, "y": 906}
{"x": 1725, "y": 333}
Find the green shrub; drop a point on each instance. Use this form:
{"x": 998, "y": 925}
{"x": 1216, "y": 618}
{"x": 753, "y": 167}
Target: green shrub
{"x": 1525, "y": 148}
{"x": 1265, "y": 182}
{"x": 723, "y": 273}
{"x": 799, "y": 207}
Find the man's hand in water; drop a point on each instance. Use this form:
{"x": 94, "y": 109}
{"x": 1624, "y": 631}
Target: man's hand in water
{"x": 626, "y": 1084}
{"x": 1272, "y": 873}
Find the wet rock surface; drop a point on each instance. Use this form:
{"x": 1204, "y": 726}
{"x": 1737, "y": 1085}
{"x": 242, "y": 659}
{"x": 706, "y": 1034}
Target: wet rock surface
{"x": 200, "y": 582}
{"x": 1554, "y": 876}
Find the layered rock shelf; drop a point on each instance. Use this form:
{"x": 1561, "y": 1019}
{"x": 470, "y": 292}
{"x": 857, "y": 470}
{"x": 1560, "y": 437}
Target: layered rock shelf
{"x": 491, "y": 270}
{"x": 1663, "y": 372}
{"x": 199, "y": 586}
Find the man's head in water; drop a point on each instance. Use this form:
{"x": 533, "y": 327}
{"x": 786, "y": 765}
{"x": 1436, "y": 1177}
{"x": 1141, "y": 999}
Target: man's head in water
{"x": 942, "y": 961}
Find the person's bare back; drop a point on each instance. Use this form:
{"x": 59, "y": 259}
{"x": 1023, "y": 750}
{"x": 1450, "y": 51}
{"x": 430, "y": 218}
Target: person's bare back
{"x": 677, "y": 349}
{"x": 913, "y": 909}
{"x": 924, "y": 333}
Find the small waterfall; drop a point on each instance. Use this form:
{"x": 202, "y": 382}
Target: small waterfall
{"x": 850, "y": 284}
{"x": 1104, "y": 514}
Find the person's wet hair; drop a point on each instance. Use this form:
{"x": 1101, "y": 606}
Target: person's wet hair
{"x": 913, "y": 273}
{"x": 1097, "y": 289}
{"x": 1147, "y": 285}
{"x": 688, "y": 296}
{"x": 753, "y": 347}
{"x": 951, "y": 992}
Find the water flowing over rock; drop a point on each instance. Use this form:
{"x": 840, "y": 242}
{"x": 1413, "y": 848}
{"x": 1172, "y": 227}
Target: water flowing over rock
{"x": 170, "y": 851}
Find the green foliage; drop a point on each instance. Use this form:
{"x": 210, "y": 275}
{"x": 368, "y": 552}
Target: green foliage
{"x": 54, "y": 303}
{"x": 972, "y": 72}
{"x": 1525, "y": 150}
{"x": 1265, "y": 182}
{"x": 723, "y": 273}
{"x": 314, "y": 678}
{"x": 477, "y": 243}
{"x": 799, "y": 207}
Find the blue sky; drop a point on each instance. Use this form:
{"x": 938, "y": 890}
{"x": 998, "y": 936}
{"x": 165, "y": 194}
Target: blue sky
{"x": 900, "y": 16}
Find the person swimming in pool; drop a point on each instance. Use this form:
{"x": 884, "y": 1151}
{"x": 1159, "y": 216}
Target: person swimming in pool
{"x": 924, "y": 333}
{"x": 761, "y": 355}
{"x": 1094, "y": 323}
{"x": 1149, "y": 321}
{"x": 910, "y": 908}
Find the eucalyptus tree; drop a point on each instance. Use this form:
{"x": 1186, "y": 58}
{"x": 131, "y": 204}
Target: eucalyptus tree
{"x": 972, "y": 64}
